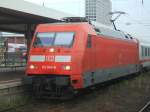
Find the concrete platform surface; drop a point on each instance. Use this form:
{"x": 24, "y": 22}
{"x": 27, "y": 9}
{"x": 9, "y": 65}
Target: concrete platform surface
{"x": 10, "y": 84}
{"x": 11, "y": 75}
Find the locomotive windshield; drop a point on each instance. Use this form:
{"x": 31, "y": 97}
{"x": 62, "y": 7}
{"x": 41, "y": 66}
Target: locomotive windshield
{"x": 47, "y": 39}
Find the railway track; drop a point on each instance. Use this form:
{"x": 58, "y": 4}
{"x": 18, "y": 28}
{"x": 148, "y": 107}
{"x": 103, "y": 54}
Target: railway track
{"x": 53, "y": 106}
{"x": 10, "y": 81}
{"x": 97, "y": 100}
{"x": 11, "y": 109}
{"x": 146, "y": 108}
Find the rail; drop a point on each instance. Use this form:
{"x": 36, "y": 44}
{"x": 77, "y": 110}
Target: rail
{"x": 12, "y": 108}
{"x": 146, "y": 108}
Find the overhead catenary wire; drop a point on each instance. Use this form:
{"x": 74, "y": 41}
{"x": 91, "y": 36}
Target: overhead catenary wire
{"x": 142, "y": 2}
{"x": 141, "y": 22}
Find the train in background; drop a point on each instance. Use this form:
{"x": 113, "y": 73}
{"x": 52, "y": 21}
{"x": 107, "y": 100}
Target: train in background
{"x": 14, "y": 47}
{"x": 144, "y": 55}
{"x": 73, "y": 55}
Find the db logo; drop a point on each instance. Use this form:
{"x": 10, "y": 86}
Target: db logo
{"x": 50, "y": 58}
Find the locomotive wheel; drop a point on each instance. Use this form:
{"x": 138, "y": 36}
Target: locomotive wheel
{"x": 68, "y": 94}
{"x": 37, "y": 88}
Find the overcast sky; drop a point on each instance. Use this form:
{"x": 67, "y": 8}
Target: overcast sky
{"x": 136, "y": 21}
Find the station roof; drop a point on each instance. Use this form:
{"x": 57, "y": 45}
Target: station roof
{"x": 16, "y": 14}
{"x": 6, "y": 34}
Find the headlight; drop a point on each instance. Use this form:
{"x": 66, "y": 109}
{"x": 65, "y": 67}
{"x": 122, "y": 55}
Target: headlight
{"x": 51, "y": 50}
{"x": 32, "y": 67}
{"x": 67, "y": 67}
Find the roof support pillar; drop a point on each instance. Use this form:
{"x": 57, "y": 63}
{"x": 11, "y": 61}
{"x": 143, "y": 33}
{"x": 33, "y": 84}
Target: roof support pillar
{"x": 29, "y": 34}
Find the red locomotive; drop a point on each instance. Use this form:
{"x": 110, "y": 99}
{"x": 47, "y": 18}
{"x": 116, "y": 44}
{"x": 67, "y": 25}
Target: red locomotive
{"x": 65, "y": 57}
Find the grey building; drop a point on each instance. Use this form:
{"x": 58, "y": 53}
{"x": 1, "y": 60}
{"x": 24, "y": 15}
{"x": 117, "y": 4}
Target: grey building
{"x": 98, "y": 10}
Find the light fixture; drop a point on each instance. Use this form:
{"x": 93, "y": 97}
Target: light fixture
{"x": 51, "y": 50}
{"x": 67, "y": 67}
{"x": 32, "y": 67}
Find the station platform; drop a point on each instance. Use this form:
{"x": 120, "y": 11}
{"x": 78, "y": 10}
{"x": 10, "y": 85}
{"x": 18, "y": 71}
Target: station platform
{"x": 10, "y": 75}
{"x": 13, "y": 89}
{"x": 12, "y": 81}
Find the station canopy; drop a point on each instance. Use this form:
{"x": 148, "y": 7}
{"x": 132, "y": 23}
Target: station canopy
{"x": 15, "y": 15}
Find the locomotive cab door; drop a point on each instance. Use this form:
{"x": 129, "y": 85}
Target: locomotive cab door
{"x": 94, "y": 51}
{"x": 91, "y": 51}
{"x": 90, "y": 61}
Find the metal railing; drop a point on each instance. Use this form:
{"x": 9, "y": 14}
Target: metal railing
{"x": 12, "y": 59}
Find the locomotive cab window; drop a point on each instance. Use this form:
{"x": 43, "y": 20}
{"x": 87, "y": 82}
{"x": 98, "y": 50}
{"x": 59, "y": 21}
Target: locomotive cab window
{"x": 44, "y": 39}
{"x": 64, "y": 39}
{"x": 89, "y": 41}
{"x": 48, "y": 39}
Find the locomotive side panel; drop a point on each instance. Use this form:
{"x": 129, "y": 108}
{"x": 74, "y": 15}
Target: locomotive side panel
{"x": 113, "y": 58}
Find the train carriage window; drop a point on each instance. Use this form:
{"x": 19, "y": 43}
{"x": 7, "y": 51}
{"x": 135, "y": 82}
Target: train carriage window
{"x": 142, "y": 51}
{"x": 89, "y": 41}
{"x": 145, "y": 51}
{"x": 148, "y": 51}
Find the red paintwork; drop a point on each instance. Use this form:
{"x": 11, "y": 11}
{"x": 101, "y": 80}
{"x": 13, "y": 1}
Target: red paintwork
{"x": 110, "y": 53}
{"x": 105, "y": 52}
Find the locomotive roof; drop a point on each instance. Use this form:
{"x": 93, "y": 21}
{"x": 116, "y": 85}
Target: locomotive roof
{"x": 111, "y": 32}
{"x": 100, "y": 29}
